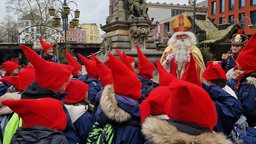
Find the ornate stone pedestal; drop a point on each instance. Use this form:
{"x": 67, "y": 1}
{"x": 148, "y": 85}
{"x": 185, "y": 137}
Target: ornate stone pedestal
{"x": 125, "y": 28}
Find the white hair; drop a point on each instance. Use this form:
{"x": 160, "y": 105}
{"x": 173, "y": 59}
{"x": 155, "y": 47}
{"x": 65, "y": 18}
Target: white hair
{"x": 191, "y": 37}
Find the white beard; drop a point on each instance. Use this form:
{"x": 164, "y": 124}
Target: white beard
{"x": 181, "y": 51}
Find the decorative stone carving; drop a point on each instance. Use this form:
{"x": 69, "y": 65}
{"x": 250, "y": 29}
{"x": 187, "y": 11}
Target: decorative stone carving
{"x": 138, "y": 8}
{"x": 106, "y": 46}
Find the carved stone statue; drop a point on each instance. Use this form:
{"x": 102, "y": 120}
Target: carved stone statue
{"x": 138, "y": 8}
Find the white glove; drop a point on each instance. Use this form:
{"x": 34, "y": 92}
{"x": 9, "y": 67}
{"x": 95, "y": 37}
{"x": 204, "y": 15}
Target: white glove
{"x": 169, "y": 56}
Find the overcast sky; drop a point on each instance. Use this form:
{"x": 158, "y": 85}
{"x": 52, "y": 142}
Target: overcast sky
{"x": 93, "y": 11}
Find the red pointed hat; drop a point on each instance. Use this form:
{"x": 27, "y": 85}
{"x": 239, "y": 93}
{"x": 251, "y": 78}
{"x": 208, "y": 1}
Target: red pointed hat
{"x": 45, "y": 46}
{"x": 127, "y": 60}
{"x": 11, "y": 79}
{"x": 9, "y": 66}
{"x": 104, "y": 73}
{"x": 76, "y": 91}
{"x": 71, "y": 61}
{"x": 214, "y": 71}
{"x": 90, "y": 66}
{"x": 164, "y": 78}
{"x": 125, "y": 81}
{"x": 154, "y": 104}
{"x": 47, "y": 112}
{"x": 191, "y": 74}
{"x": 190, "y": 103}
{"x": 48, "y": 75}
{"x": 26, "y": 77}
{"x": 246, "y": 58}
{"x": 145, "y": 66}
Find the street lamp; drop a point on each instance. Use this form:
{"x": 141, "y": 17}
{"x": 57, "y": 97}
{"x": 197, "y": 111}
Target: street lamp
{"x": 194, "y": 15}
{"x": 64, "y": 11}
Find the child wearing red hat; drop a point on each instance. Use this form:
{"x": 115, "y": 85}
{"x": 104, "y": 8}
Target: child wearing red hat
{"x": 91, "y": 78}
{"x": 247, "y": 80}
{"x": 214, "y": 74}
{"x": 145, "y": 73}
{"x": 191, "y": 111}
{"x": 43, "y": 120}
{"x": 79, "y": 108}
{"x": 47, "y": 52}
{"x": 50, "y": 81}
{"x": 77, "y": 71}
{"x": 228, "y": 107}
{"x": 118, "y": 105}
{"x": 11, "y": 69}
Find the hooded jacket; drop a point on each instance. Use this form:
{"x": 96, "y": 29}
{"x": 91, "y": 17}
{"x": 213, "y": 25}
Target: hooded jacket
{"x": 158, "y": 131}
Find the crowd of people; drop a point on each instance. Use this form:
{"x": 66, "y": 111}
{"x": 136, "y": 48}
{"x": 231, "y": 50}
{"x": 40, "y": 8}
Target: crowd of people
{"x": 117, "y": 102}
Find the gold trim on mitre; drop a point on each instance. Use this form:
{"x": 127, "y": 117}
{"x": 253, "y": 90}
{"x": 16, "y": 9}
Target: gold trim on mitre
{"x": 181, "y": 24}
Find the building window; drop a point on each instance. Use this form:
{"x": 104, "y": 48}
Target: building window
{"x": 231, "y": 4}
{"x": 175, "y": 12}
{"x": 241, "y": 19}
{"x": 253, "y": 2}
{"x": 222, "y": 6}
{"x": 253, "y": 18}
{"x": 213, "y": 21}
{"x": 231, "y": 19}
{"x": 241, "y": 3}
{"x": 222, "y": 20}
{"x": 213, "y": 8}
{"x": 166, "y": 29}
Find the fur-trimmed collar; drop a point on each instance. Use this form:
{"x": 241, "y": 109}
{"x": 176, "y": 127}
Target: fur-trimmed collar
{"x": 110, "y": 107}
{"x": 251, "y": 80}
{"x": 159, "y": 131}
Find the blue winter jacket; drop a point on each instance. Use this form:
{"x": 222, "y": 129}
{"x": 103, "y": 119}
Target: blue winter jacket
{"x": 83, "y": 126}
{"x": 247, "y": 96}
{"x": 228, "y": 108}
{"x": 94, "y": 86}
{"x": 125, "y": 117}
{"x": 147, "y": 87}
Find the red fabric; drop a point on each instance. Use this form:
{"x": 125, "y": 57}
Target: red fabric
{"x": 45, "y": 46}
{"x": 164, "y": 77}
{"x": 154, "y": 104}
{"x": 71, "y": 61}
{"x": 26, "y": 77}
{"x": 90, "y": 66}
{"x": 191, "y": 74}
{"x": 9, "y": 66}
{"x": 247, "y": 57}
{"x": 47, "y": 112}
{"x": 145, "y": 66}
{"x": 127, "y": 60}
{"x": 125, "y": 81}
{"x": 11, "y": 79}
{"x": 76, "y": 91}
{"x": 214, "y": 71}
{"x": 173, "y": 67}
{"x": 190, "y": 103}
{"x": 104, "y": 73}
{"x": 48, "y": 75}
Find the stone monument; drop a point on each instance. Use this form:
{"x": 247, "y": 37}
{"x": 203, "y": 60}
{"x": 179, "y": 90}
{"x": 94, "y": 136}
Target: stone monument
{"x": 128, "y": 25}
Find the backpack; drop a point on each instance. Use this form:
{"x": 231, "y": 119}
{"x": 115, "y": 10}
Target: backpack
{"x": 101, "y": 134}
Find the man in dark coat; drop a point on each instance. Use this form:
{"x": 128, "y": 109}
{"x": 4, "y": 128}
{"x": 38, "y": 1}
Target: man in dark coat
{"x": 237, "y": 43}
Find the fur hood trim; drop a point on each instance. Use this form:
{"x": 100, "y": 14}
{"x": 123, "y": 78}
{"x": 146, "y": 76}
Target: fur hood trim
{"x": 160, "y": 131}
{"x": 251, "y": 80}
{"x": 109, "y": 106}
